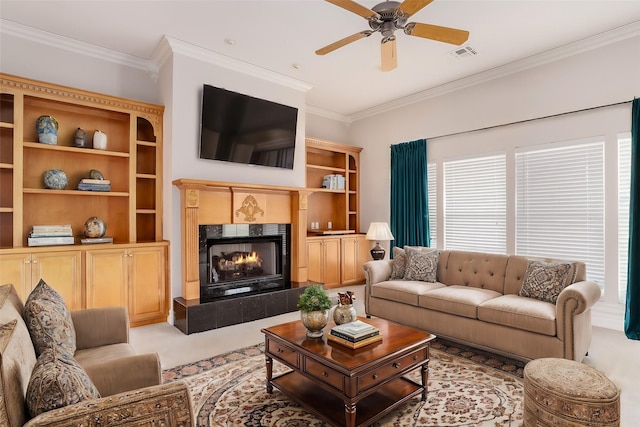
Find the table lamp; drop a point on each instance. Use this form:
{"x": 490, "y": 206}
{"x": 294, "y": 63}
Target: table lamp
{"x": 378, "y": 231}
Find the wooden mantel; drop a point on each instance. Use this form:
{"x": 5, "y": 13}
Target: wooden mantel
{"x": 214, "y": 202}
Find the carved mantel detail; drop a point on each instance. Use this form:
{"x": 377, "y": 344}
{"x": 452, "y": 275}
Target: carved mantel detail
{"x": 249, "y": 209}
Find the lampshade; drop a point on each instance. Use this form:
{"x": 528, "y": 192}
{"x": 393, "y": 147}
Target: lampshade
{"x": 379, "y": 231}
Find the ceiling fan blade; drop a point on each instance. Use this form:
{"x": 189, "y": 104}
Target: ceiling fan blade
{"x": 345, "y": 41}
{"x": 409, "y": 7}
{"x": 356, "y": 8}
{"x": 389, "y": 53}
{"x": 434, "y": 32}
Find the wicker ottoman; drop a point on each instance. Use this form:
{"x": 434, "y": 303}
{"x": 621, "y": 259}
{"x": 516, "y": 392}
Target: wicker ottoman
{"x": 560, "y": 392}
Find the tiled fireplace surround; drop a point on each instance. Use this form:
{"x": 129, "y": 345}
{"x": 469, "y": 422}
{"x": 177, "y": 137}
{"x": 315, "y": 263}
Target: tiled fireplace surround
{"x": 207, "y": 208}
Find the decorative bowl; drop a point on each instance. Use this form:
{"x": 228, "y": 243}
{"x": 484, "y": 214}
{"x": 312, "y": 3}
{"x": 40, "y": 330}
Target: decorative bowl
{"x": 95, "y": 227}
{"x": 55, "y": 179}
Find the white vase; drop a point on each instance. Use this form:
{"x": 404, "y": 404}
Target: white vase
{"x": 99, "y": 140}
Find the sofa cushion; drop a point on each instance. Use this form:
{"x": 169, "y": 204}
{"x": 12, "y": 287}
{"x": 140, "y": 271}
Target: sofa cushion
{"x": 17, "y": 359}
{"x": 544, "y": 281}
{"x": 405, "y": 291}
{"x": 521, "y": 313}
{"x": 399, "y": 263}
{"x": 57, "y": 381}
{"x": 48, "y": 320}
{"x": 475, "y": 269}
{"x": 421, "y": 265}
{"x": 458, "y": 300}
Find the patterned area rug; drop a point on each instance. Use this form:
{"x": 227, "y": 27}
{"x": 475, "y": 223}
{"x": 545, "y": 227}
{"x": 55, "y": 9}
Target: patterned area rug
{"x": 467, "y": 387}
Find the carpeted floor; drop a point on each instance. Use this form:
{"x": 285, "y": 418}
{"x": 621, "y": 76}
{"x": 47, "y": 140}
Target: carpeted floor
{"x": 466, "y": 387}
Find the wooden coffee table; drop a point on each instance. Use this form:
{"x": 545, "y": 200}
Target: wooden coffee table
{"x": 348, "y": 387}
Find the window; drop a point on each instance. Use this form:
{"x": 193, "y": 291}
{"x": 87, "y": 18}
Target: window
{"x": 624, "y": 189}
{"x": 560, "y": 203}
{"x": 475, "y": 204}
{"x": 432, "y": 200}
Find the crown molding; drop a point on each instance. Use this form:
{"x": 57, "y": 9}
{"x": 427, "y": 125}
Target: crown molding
{"x": 566, "y": 51}
{"x": 196, "y": 52}
{"x": 321, "y": 112}
{"x": 14, "y": 29}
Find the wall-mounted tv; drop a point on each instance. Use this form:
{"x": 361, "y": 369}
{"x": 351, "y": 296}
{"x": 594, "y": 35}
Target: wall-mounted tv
{"x": 243, "y": 129}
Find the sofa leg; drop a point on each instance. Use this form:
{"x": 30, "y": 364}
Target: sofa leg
{"x": 368, "y": 316}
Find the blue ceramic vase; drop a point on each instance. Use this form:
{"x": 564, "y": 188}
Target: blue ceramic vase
{"x": 55, "y": 179}
{"x": 47, "y": 128}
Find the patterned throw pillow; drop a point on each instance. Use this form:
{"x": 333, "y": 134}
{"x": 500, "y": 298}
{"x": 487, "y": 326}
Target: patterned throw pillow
{"x": 399, "y": 264}
{"x": 48, "y": 320}
{"x": 544, "y": 281}
{"x": 421, "y": 265}
{"x": 57, "y": 381}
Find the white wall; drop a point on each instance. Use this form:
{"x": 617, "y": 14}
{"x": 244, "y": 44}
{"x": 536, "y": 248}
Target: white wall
{"x": 598, "y": 77}
{"x": 325, "y": 128}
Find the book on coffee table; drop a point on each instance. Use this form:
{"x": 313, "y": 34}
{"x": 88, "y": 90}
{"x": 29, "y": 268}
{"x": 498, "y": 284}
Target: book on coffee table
{"x": 354, "y": 331}
{"x": 354, "y": 345}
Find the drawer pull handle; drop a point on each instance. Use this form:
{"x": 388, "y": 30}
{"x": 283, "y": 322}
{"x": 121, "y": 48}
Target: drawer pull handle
{"x": 396, "y": 365}
{"x": 280, "y": 350}
{"x": 375, "y": 376}
{"x": 324, "y": 374}
{"x": 415, "y": 357}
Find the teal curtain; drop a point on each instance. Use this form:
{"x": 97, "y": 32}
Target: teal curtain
{"x": 632, "y": 311}
{"x": 409, "y": 202}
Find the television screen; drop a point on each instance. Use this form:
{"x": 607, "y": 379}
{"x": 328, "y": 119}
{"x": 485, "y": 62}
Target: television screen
{"x": 243, "y": 129}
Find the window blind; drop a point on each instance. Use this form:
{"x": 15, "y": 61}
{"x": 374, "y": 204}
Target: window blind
{"x": 560, "y": 203}
{"x": 432, "y": 198}
{"x": 475, "y": 204}
{"x": 624, "y": 191}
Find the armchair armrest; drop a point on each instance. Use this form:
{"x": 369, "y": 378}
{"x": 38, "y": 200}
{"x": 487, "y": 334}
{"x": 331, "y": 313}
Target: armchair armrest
{"x": 166, "y": 404}
{"x": 96, "y": 327}
{"x": 125, "y": 374}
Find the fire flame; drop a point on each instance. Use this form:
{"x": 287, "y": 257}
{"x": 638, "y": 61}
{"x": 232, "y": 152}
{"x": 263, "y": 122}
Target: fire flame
{"x": 252, "y": 258}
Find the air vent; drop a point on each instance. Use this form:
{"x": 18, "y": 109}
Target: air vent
{"x": 463, "y": 52}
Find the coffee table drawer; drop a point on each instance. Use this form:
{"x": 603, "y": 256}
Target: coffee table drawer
{"x": 324, "y": 374}
{"x": 391, "y": 369}
{"x": 283, "y": 353}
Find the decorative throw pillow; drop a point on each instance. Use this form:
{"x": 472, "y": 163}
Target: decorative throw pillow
{"x": 544, "y": 281}
{"x": 57, "y": 381}
{"x": 421, "y": 265}
{"x": 48, "y": 320}
{"x": 399, "y": 263}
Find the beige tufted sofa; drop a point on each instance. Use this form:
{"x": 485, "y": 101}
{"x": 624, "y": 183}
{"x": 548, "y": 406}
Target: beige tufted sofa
{"x": 475, "y": 301}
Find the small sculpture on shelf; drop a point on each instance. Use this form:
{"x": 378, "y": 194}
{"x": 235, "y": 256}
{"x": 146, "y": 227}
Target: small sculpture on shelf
{"x": 80, "y": 138}
{"x": 95, "y": 227}
{"x": 99, "y": 140}
{"x": 55, "y": 179}
{"x": 47, "y": 128}
{"x": 95, "y": 182}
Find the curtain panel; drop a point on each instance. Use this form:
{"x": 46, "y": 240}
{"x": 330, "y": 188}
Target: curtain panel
{"x": 409, "y": 201}
{"x": 632, "y": 310}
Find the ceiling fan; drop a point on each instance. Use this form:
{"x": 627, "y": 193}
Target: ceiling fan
{"x": 386, "y": 18}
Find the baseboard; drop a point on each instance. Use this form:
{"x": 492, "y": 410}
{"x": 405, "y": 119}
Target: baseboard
{"x": 607, "y": 315}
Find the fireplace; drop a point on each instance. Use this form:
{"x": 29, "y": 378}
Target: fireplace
{"x": 243, "y": 259}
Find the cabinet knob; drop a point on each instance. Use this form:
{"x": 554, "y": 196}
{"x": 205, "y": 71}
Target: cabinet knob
{"x": 324, "y": 374}
{"x": 374, "y": 376}
{"x": 35, "y": 261}
{"x": 415, "y": 357}
{"x": 280, "y": 350}
{"x": 396, "y": 365}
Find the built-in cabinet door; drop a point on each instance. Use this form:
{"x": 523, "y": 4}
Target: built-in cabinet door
{"x": 352, "y": 259}
{"x": 61, "y": 270}
{"x": 331, "y": 265}
{"x": 147, "y": 275}
{"x": 314, "y": 261}
{"x": 106, "y": 277}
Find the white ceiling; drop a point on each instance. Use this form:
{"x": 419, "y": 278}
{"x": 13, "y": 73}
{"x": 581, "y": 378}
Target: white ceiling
{"x": 276, "y": 34}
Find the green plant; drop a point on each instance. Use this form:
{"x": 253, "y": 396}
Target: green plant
{"x": 314, "y": 298}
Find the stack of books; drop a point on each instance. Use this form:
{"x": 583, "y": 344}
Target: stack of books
{"x": 333, "y": 182}
{"x": 48, "y": 235}
{"x": 88, "y": 184}
{"x": 354, "y": 334}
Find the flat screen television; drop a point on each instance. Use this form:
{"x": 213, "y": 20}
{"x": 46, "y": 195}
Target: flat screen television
{"x": 243, "y": 129}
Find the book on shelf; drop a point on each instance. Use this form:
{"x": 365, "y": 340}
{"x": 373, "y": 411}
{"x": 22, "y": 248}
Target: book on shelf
{"x": 354, "y": 345}
{"x": 50, "y": 241}
{"x": 95, "y": 240}
{"x": 95, "y": 181}
{"x": 51, "y": 231}
{"x": 354, "y": 330}
{"x": 51, "y": 227}
{"x": 94, "y": 187}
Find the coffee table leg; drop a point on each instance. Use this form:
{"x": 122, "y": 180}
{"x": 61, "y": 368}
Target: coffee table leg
{"x": 269, "y": 363}
{"x": 350, "y": 414}
{"x": 425, "y": 380}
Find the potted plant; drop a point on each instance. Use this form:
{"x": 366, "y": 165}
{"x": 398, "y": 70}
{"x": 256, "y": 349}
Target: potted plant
{"x": 314, "y": 305}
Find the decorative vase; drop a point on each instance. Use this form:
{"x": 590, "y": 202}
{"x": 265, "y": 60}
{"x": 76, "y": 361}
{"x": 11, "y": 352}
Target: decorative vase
{"x": 55, "y": 179}
{"x": 80, "y": 138}
{"x": 344, "y": 314}
{"x": 95, "y": 174}
{"x": 99, "y": 140}
{"x": 95, "y": 227}
{"x": 314, "y": 321}
{"x": 47, "y": 128}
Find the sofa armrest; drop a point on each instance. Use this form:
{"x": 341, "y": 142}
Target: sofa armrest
{"x": 96, "y": 327}
{"x": 125, "y": 374}
{"x": 377, "y": 271}
{"x": 166, "y": 404}
{"x": 573, "y": 317}
{"x": 577, "y": 297}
